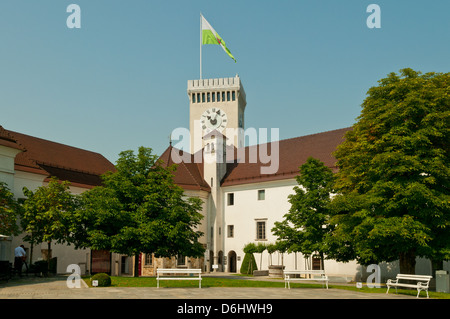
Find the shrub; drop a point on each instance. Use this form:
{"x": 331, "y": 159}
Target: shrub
{"x": 248, "y": 264}
{"x": 103, "y": 279}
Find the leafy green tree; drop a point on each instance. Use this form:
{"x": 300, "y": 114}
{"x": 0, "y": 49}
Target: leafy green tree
{"x": 9, "y": 211}
{"x": 393, "y": 199}
{"x": 249, "y": 262}
{"x": 304, "y": 226}
{"x": 47, "y": 213}
{"x": 259, "y": 249}
{"x": 140, "y": 210}
{"x": 271, "y": 248}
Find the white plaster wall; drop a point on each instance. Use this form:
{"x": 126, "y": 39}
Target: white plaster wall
{"x": 7, "y": 156}
{"x": 203, "y": 195}
{"x": 65, "y": 254}
{"x": 28, "y": 180}
{"x": 247, "y": 209}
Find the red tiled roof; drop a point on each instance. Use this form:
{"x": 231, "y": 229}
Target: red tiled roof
{"x": 292, "y": 154}
{"x": 188, "y": 174}
{"x": 7, "y": 140}
{"x": 80, "y": 167}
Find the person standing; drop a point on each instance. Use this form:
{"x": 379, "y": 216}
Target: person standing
{"x": 19, "y": 258}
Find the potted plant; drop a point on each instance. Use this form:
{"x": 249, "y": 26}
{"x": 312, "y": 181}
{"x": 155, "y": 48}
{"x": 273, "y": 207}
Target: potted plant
{"x": 276, "y": 270}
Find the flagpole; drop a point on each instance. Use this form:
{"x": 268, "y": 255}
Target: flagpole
{"x": 200, "y": 45}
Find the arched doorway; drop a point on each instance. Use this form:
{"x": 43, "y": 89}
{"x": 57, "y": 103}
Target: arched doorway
{"x": 220, "y": 261}
{"x": 211, "y": 260}
{"x": 232, "y": 261}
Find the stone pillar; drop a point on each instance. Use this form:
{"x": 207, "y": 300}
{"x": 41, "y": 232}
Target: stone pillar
{"x": 216, "y": 263}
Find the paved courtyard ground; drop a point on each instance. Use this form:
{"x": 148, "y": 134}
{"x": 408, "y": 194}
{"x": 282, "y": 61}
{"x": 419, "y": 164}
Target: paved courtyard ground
{"x": 56, "y": 288}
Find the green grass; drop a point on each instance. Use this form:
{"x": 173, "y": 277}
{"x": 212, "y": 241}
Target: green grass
{"x": 232, "y": 282}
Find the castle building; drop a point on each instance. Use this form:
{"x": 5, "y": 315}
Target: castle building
{"x": 28, "y": 161}
{"x": 244, "y": 189}
{"x": 242, "y": 197}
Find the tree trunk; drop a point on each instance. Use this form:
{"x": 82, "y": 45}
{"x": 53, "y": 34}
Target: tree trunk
{"x": 48, "y": 256}
{"x": 408, "y": 262}
{"x": 136, "y": 265}
{"x": 322, "y": 260}
{"x": 436, "y": 265}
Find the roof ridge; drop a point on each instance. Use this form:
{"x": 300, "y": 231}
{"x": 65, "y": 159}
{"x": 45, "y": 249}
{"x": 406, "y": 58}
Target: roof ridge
{"x": 53, "y": 142}
{"x": 302, "y": 136}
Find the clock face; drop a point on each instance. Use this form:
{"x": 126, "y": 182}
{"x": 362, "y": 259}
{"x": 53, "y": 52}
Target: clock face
{"x": 214, "y": 119}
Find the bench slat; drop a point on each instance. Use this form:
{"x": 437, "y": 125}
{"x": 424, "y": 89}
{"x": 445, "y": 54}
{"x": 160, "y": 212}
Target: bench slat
{"x": 181, "y": 274}
{"x": 422, "y": 282}
{"x": 318, "y": 275}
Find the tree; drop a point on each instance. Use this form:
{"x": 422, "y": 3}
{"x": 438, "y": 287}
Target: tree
{"x": 393, "y": 199}
{"x": 304, "y": 226}
{"x": 9, "y": 211}
{"x": 140, "y": 210}
{"x": 249, "y": 262}
{"x": 47, "y": 214}
{"x": 271, "y": 248}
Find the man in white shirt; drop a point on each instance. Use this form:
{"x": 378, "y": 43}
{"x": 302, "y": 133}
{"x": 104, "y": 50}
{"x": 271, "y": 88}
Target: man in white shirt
{"x": 19, "y": 258}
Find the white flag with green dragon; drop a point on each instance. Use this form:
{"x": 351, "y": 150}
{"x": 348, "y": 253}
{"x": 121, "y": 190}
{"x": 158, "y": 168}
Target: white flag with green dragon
{"x": 210, "y": 36}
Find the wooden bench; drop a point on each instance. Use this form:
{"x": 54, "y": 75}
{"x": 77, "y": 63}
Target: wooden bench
{"x": 421, "y": 282}
{"x": 309, "y": 275}
{"x": 179, "y": 274}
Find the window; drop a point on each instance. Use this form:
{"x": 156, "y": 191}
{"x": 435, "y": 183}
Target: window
{"x": 193, "y": 98}
{"x": 261, "y": 194}
{"x": 181, "y": 261}
{"x": 230, "y": 199}
{"x": 230, "y": 231}
{"x": 148, "y": 260}
{"x": 213, "y": 96}
{"x": 208, "y": 96}
{"x": 260, "y": 230}
{"x": 233, "y": 95}
{"x": 316, "y": 263}
{"x": 228, "y": 95}
{"x": 218, "y": 96}
{"x": 203, "y": 97}
{"x": 223, "y": 96}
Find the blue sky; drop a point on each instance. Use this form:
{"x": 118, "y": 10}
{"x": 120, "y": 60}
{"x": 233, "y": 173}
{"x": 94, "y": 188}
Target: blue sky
{"x": 119, "y": 82}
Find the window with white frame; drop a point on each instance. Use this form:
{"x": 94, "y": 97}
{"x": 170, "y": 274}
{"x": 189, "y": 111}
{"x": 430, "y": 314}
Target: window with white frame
{"x": 261, "y": 194}
{"x": 230, "y": 201}
{"x": 230, "y": 231}
{"x": 260, "y": 229}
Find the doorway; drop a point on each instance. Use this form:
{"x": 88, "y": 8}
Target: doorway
{"x": 232, "y": 261}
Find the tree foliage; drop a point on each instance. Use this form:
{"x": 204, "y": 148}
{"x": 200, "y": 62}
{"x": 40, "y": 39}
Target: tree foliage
{"x": 393, "y": 182}
{"x": 140, "y": 209}
{"x": 47, "y": 213}
{"x": 304, "y": 226}
{"x": 9, "y": 211}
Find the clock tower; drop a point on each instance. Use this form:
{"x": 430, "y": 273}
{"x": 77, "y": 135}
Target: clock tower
{"x": 216, "y": 104}
{"x": 216, "y": 123}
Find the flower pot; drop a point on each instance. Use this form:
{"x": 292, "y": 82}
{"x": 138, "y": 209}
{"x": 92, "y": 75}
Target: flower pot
{"x": 276, "y": 271}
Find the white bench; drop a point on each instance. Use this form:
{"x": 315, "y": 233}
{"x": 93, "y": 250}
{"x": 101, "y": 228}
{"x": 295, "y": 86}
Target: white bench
{"x": 422, "y": 282}
{"x": 179, "y": 274}
{"x": 309, "y": 275}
